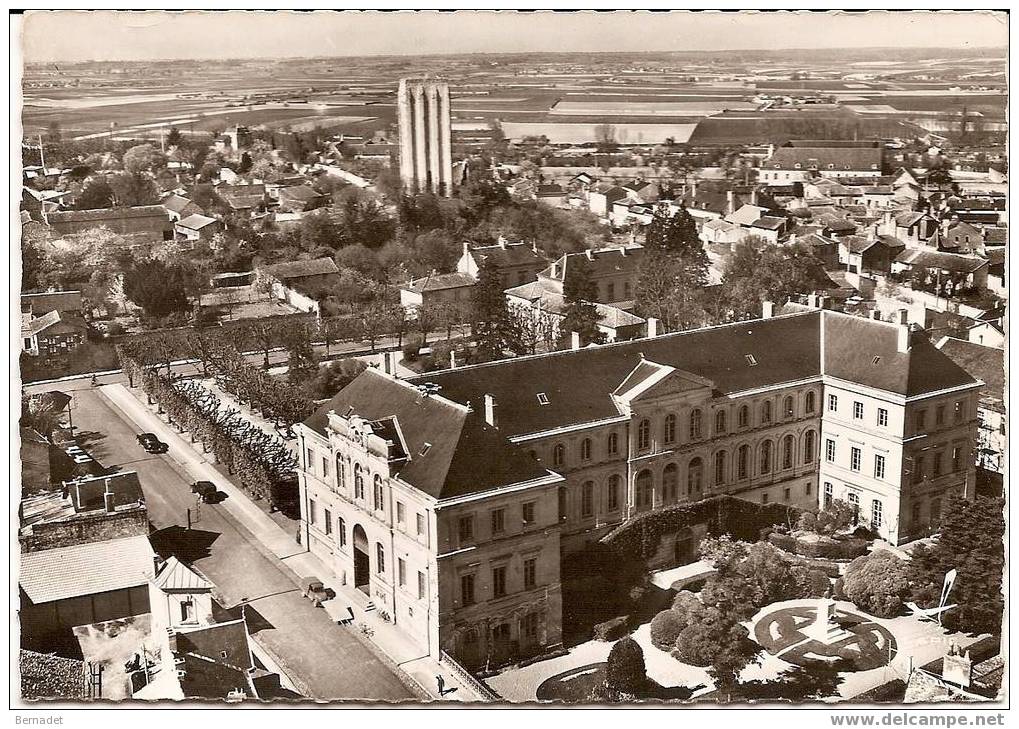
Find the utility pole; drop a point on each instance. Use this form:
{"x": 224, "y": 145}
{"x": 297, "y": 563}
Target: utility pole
{"x": 42, "y": 156}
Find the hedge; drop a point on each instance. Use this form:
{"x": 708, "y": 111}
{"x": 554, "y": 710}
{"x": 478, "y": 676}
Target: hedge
{"x": 845, "y": 549}
{"x": 612, "y": 629}
{"x": 639, "y": 538}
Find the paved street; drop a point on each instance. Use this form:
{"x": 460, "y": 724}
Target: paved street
{"x": 326, "y": 660}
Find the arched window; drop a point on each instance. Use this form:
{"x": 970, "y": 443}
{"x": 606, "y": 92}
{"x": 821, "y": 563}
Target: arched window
{"x": 695, "y": 476}
{"x": 670, "y": 482}
{"x": 379, "y": 502}
{"x": 720, "y": 468}
{"x": 788, "y": 445}
{"x": 587, "y": 499}
{"x": 766, "y": 412}
{"x": 720, "y": 421}
{"x": 644, "y": 435}
{"x": 811, "y": 402}
{"x": 563, "y": 503}
{"x": 341, "y": 472}
{"x": 558, "y": 454}
{"x": 341, "y": 531}
{"x": 613, "y": 443}
{"x": 585, "y": 449}
{"x": 644, "y": 489}
{"x": 743, "y": 462}
{"x": 743, "y": 419}
{"x": 765, "y": 457}
{"x": 788, "y": 408}
{"x": 808, "y": 446}
{"x": 695, "y": 424}
{"x": 380, "y": 558}
{"x": 358, "y": 481}
{"x": 670, "y": 428}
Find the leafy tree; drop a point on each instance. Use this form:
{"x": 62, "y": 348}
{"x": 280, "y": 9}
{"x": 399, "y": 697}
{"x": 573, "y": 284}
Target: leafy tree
{"x": 717, "y": 640}
{"x": 318, "y": 229}
{"x": 832, "y": 519}
{"x": 32, "y": 265}
{"x": 625, "y": 672}
{"x": 878, "y": 583}
{"x": 302, "y": 363}
{"x": 131, "y": 189}
{"x": 759, "y": 271}
{"x": 801, "y": 683}
{"x": 96, "y": 194}
{"x": 492, "y": 323}
{"x": 580, "y": 314}
{"x": 143, "y": 158}
{"x": 363, "y": 220}
{"x": 436, "y": 250}
{"x": 335, "y": 376}
{"x": 676, "y": 233}
{"x": 665, "y": 628}
{"x": 971, "y": 540}
{"x": 174, "y": 137}
{"x": 159, "y": 288}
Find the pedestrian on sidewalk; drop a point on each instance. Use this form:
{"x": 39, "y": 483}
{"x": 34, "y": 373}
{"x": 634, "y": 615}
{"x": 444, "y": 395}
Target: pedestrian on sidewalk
{"x": 442, "y": 684}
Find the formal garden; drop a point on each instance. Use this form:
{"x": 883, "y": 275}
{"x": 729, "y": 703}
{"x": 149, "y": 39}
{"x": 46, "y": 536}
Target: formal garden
{"x": 800, "y": 606}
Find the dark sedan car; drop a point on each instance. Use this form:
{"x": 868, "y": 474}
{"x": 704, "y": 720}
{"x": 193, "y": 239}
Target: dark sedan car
{"x": 152, "y": 444}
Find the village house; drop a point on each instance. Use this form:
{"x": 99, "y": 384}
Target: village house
{"x": 602, "y": 195}
{"x": 517, "y": 262}
{"x": 946, "y": 274}
{"x": 803, "y": 160}
{"x": 988, "y": 364}
{"x": 869, "y": 253}
{"x": 301, "y": 284}
{"x": 251, "y": 198}
{"x": 613, "y": 273}
{"x": 197, "y": 227}
{"x": 300, "y": 199}
{"x": 179, "y": 207}
{"x": 52, "y": 334}
{"x": 437, "y": 289}
{"x": 152, "y": 222}
{"x": 465, "y": 556}
{"x": 540, "y": 301}
{"x": 988, "y": 333}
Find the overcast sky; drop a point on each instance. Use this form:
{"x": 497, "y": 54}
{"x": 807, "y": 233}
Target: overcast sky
{"x": 107, "y": 35}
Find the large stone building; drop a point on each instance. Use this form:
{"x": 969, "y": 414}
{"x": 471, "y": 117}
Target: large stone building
{"x": 426, "y": 161}
{"x": 451, "y": 498}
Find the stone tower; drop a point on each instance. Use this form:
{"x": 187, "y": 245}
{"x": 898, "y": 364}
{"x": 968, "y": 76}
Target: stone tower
{"x": 426, "y": 157}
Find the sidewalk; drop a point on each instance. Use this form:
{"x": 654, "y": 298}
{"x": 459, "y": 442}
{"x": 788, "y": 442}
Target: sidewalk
{"x": 423, "y": 670}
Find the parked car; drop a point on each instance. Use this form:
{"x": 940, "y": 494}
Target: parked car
{"x": 152, "y": 444}
{"x": 206, "y": 490}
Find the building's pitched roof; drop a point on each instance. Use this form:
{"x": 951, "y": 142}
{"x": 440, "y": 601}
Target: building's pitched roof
{"x": 857, "y": 243}
{"x": 852, "y": 344}
{"x": 300, "y": 269}
{"x": 986, "y": 363}
{"x": 52, "y": 301}
{"x": 47, "y": 676}
{"x": 600, "y": 261}
{"x": 464, "y": 454}
{"x": 242, "y": 196}
{"x": 303, "y": 193}
{"x": 926, "y": 258}
{"x": 100, "y": 214}
{"x": 86, "y": 569}
{"x": 207, "y": 673}
{"x": 177, "y": 203}
{"x": 768, "y": 222}
{"x": 196, "y": 222}
{"x": 175, "y": 576}
{"x": 824, "y": 155}
{"x": 513, "y": 254}
{"x": 440, "y": 282}
{"x": 747, "y": 215}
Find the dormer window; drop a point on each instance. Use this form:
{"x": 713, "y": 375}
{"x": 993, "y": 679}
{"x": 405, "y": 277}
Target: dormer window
{"x": 751, "y": 360}
{"x": 542, "y": 398}
{"x": 797, "y": 166}
{"x": 877, "y": 359}
{"x": 424, "y": 449}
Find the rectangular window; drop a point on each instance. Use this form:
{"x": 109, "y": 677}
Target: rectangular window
{"x": 764, "y": 498}
{"x": 854, "y": 459}
{"x": 311, "y": 511}
{"x": 854, "y": 501}
{"x": 325, "y": 467}
{"x": 829, "y": 450}
{"x": 806, "y": 489}
{"x": 875, "y": 514}
{"x": 587, "y": 499}
{"x": 342, "y": 529}
{"x": 529, "y": 626}
{"x": 918, "y": 468}
{"x": 400, "y": 515}
{"x": 421, "y": 524}
{"x": 466, "y": 529}
{"x": 879, "y": 466}
{"x": 467, "y": 589}
{"x": 499, "y": 582}
{"x": 939, "y": 415}
{"x": 937, "y": 463}
{"x": 785, "y": 494}
{"x": 829, "y": 494}
{"x": 310, "y": 460}
{"x": 960, "y": 411}
{"x": 421, "y": 585}
{"x": 921, "y": 419}
{"x": 401, "y": 572}
{"x": 527, "y": 511}
{"x": 882, "y": 417}
{"x": 328, "y": 521}
{"x": 530, "y": 573}
{"x": 833, "y": 403}
{"x": 858, "y": 411}
{"x": 498, "y": 521}
{"x": 613, "y": 494}
{"x": 957, "y": 459}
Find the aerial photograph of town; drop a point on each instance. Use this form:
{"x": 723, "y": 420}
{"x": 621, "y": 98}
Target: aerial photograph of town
{"x": 498, "y": 358}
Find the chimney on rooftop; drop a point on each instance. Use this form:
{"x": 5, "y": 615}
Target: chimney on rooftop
{"x": 875, "y": 314}
{"x": 467, "y": 248}
{"x": 753, "y": 196}
{"x": 389, "y": 363}
{"x": 812, "y": 301}
{"x": 452, "y": 359}
{"x": 767, "y": 309}
{"x": 652, "y": 327}
{"x": 490, "y": 411}
{"x": 902, "y": 343}
{"x": 590, "y": 254}
{"x": 903, "y": 316}
{"x": 792, "y": 239}
{"x": 574, "y": 340}
{"x": 502, "y": 242}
